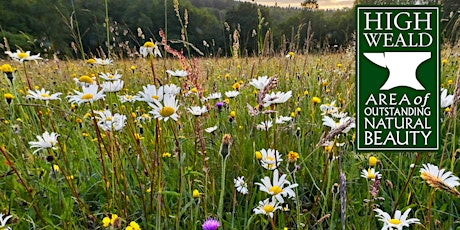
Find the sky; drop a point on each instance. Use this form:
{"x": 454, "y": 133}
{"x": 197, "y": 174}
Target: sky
{"x": 323, "y": 4}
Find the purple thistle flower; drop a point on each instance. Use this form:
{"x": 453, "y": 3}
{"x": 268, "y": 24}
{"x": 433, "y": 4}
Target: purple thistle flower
{"x": 211, "y": 224}
{"x": 219, "y": 104}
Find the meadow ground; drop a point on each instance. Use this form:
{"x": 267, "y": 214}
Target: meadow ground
{"x": 173, "y": 157}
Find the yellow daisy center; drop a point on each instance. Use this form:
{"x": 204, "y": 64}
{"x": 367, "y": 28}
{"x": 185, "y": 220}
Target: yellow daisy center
{"x": 108, "y": 119}
{"x": 91, "y": 61}
{"x": 45, "y": 95}
{"x": 155, "y": 97}
{"x": 23, "y": 55}
{"x": 275, "y": 189}
{"x": 166, "y": 111}
{"x": 268, "y": 208}
{"x": 87, "y": 96}
{"x": 110, "y": 77}
{"x": 269, "y": 158}
{"x": 86, "y": 79}
{"x": 394, "y": 221}
{"x": 149, "y": 44}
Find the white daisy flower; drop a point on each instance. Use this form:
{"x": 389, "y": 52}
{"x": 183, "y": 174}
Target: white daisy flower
{"x": 177, "y": 73}
{"x": 327, "y": 109}
{"x": 370, "y": 174}
{"x": 197, "y": 110}
{"x": 329, "y": 122}
{"x": 267, "y": 207}
{"x": 150, "y": 48}
{"x": 109, "y": 122}
{"x": 241, "y": 185}
{"x": 88, "y": 94}
{"x": 446, "y": 100}
{"x": 112, "y": 86}
{"x": 171, "y": 89}
{"x": 398, "y": 222}
{"x": 101, "y": 61}
{"x": 276, "y": 98}
{"x": 438, "y": 178}
{"x": 277, "y": 189}
{"x": 150, "y": 94}
{"x": 43, "y": 95}
{"x": 128, "y": 98}
{"x": 271, "y": 159}
{"x": 85, "y": 81}
{"x": 264, "y": 125}
{"x": 110, "y": 77}
{"x": 260, "y": 82}
{"x": 212, "y": 96}
{"x": 282, "y": 119}
{"x": 166, "y": 110}
{"x": 45, "y": 141}
{"x": 23, "y": 56}
{"x": 231, "y": 94}
{"x": 3, "y": 220}
{"x": 211, "y": 129}
{"x": 143, "y": 118}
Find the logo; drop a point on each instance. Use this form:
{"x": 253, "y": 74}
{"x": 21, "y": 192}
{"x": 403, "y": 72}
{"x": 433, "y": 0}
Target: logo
{"x": 397, "y": 78}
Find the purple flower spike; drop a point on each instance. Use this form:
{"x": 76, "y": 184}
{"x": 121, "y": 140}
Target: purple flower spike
{"x": 211, "y": 224}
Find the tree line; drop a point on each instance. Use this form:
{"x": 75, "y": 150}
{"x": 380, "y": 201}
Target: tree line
{"x": 77, "y": 28}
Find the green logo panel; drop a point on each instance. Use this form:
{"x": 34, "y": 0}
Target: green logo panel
{"x": 397, "y": 78}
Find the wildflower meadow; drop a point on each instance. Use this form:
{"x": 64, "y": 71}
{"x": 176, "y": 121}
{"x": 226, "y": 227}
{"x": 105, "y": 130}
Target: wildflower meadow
{"x": 165, "y": 141}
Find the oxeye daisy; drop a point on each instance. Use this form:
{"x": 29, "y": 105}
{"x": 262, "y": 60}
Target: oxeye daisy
{"x": 328, "y": 121}
{"x": 3, "y": 220}
{"x": 212, "y": 96}
{"x": 177, "y": 73}
{"x": 260, "y": 82}
{"x": 128, "y": 98}
{"x": 43, "y": 95}
{"x": 85, "y": 80}
{"x": 110, "y": 77}
{"x": 440, "y": 179}
{"x": 109, "y": 122}
{"x": 446, "y": 100}
{"x": 171, "y": 89}
{"x": 267, "y": 207}
{"x": 398, "y": 222}
{"x": 112, "y": 86}
{"x": 21, "y": 56}
{"x": 150, "y": 94}
{"x": 166, "y": 110}
{"x": 370, "y": 174}
{"x": 328, "y": 108}
{"x": 88, "y": 94}
{"x": 197, "y": 110}
{"x": 101, "y": 61}
{"x": 264, "y": 125}
{"x": 45, "y": 141}
{"x": 241, "y": 185}
{"x": 276, "y": 98}
{"x": 271, "y": 158}
{"x": 150, "y": 48}
{"x": 211, "y": 129}
{"x": 277, "y": 188}
{"x": 231, "y": 94}
{"x": 282, "y": 119}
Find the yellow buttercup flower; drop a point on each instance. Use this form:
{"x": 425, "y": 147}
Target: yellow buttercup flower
{"x": 196, "y": 193}
{"x": 372, "y": 161}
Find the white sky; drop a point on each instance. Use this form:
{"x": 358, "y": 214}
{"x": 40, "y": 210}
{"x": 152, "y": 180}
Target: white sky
{"x": 323, "y": 4}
